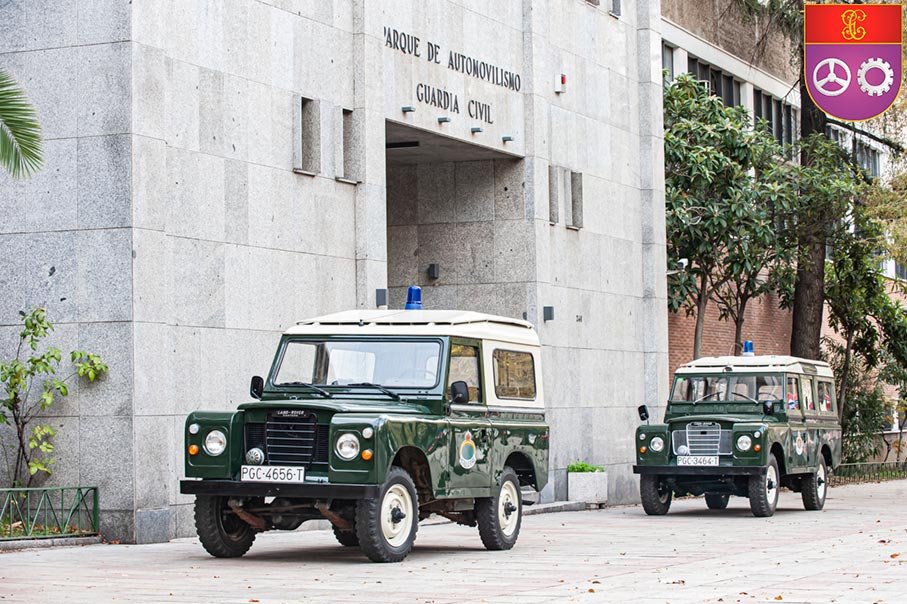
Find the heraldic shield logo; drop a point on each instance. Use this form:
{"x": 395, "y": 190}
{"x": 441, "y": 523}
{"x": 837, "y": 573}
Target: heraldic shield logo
{"x": 852, "y": 62}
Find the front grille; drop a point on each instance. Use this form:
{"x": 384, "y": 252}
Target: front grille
{"x": 702, "y": 438}
{"x": 291, "y": 440}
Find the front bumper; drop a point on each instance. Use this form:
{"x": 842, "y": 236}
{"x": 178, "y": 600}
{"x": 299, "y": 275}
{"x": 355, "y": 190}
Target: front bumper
{"x": 234, "y": 488}
{"x": 701, "y": 471}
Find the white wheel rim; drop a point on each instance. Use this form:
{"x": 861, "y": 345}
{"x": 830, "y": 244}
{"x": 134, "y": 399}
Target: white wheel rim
{"x": 509, "y": 497}
{"x": 771, "y": 484}
{"x": 396, "y": 498}
{"x": 821, "y": 481}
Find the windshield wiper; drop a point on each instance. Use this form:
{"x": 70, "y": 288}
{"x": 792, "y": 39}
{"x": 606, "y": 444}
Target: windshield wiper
{"x": 709, "y": 395}
{"x": 386, "y": 391}
{"x": 311, "y": 387}
{"x": 749, "y": 398}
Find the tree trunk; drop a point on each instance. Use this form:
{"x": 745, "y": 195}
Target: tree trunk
{"x": 809, "y": 298}
{"x": 701, "y": 302}
{"x": 845, "y": 373}
{"x": 738, "y": 327}
{"x": 809, "y": 288}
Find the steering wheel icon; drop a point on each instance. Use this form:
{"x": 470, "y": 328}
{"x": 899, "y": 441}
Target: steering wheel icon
{"x": 839, "y": 84}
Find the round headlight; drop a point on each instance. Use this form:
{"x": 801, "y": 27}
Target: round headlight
{"x": 657, "y": 444}
{"x": 347, "y": 446}
{"x": 367, "y": 432}
{"x": 215, "y": 443}
{"x": 744, "y": 443}
{"x": 194, "y": 428}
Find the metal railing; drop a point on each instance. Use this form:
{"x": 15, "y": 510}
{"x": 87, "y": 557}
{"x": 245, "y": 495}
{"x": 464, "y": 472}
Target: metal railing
{"x": 852, "y": 473}
{"x": 48, "y": 512}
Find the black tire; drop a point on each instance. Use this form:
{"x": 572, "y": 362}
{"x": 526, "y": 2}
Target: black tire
{"x": 500, "y": 517}
{"x": 655, "y": 494}
{"x": 222, "y": 533}
{"x": 346, "y": 538}
{"x": 763, "y": 490}
{"x": 716, "y": 501}
{"x": 388, "y": 542}
{"x": 814, "y": 487}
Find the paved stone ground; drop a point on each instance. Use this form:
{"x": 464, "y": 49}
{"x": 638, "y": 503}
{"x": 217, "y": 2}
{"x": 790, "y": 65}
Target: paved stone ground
{"x": 853, "y": 551}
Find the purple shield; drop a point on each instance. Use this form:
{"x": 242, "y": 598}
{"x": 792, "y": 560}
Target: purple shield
{"x": 853, "y": 82}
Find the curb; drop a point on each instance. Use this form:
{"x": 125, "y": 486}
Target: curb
{"x": 557, "y": 506}
{"x": 11, "y": 546}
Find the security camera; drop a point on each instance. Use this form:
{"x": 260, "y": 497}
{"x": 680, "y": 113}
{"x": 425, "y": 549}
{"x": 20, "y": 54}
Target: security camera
{"x": 682, "y": 264}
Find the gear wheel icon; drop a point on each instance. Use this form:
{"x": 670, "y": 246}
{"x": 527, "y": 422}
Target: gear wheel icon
{"x": 875, "y": 89}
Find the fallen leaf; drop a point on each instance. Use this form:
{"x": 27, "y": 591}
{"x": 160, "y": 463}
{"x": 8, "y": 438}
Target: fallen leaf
{"x": 778, "y": 598}
{"x": 895, "y": 555}
{"x": 591, "y": 591}
{"x": 254, "y": 600}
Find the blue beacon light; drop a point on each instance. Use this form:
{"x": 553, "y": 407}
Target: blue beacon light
{"x": 748, "y": 350}
{"x": 413, "y": 298}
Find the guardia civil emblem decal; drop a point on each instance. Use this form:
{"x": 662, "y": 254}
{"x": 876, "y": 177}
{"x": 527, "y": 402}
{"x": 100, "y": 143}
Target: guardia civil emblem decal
{"x": 467, "y": 452}
{"x": 852, "y": 58}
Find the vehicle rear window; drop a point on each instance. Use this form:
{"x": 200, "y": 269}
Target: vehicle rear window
{"x": 514, "y": 374}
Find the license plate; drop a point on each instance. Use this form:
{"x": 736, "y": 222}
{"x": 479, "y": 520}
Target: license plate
{"x": 290, "y": 474}
{"x": 698, "y": 460}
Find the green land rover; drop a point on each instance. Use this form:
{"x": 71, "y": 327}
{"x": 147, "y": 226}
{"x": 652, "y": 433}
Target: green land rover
{"x": 744, "y": 426}
{"x": 374, "y": 420}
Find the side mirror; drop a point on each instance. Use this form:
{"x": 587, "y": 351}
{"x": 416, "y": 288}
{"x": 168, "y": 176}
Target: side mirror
{"x": 256, "y": 387}
{"x": 768, "y": 407}
{"x": 459, "y": 392}
{"x": 643, "y": 413}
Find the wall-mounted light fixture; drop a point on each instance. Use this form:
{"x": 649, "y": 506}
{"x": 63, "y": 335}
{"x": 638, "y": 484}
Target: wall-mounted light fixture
{"x": 443, "y": 119}
{"x": 381, "y": 298}
{"x": 506, "y": 138}
{"x": 407, "y": 108}
{"x": 434, "y": 271}
{"x": 548, "y": 313}
{"x": 475, "y": 130}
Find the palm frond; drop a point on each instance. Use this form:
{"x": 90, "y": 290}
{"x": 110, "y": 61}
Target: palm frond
{"x": 20, "y": 132}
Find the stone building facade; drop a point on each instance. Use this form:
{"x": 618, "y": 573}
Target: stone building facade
{"x": 216, "y": 171}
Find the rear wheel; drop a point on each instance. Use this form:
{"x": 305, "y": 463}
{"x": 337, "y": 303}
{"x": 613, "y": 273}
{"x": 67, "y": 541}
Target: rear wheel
{"x": 716, "y": 501}
{"x": 815, "y": 487}
{"x": 223, "y": 534}
{"x": 655, "y": 494}
{"x": 763, "y": 490}
{"x": 499, "y": 517}
{"x": 386, "y": 526}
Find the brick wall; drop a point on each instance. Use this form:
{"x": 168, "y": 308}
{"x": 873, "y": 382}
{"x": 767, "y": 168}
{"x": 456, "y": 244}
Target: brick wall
{"x": 766, "y": 325}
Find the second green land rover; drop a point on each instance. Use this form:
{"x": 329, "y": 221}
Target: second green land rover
{"x": 743, "y": 426}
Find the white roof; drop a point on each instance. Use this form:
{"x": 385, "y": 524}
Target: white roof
{"x": 458, "y": 323}
{"x": 757, "y": 364}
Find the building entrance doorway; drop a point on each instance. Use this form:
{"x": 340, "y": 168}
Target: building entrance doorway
{"x": 457, "y": 224}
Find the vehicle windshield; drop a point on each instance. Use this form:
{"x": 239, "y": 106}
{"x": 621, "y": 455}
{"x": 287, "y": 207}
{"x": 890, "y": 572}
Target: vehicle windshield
{"x": 393, "y": 364}
{"x": 712, "y": 388}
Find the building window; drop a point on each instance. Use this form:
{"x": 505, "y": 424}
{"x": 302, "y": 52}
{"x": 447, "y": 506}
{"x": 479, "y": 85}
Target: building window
{"x": 575, "y": 207}
{"x": 667, "y": 62}
{"x": 781, "y": 119}
{"x": 553, "y": 193}
{"x": 719, "y": 83}
{"x": 900, "y": 271}
{"x": 865, "y": 155}
{"x": 615, "y": 8}
{"x": 347, "y": 161}
{"x": 306, "y": 136}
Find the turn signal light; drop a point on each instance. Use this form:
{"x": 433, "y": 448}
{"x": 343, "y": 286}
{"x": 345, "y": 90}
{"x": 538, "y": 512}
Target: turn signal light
{"x": 193, "y": 449}
{"x": 757, "y": 448}
{"x": 642, "y": 449}
{"x": 367, "y": 455}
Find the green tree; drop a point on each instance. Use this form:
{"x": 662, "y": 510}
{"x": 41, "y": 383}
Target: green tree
{"x": 31, "y": 385}
{"x": 20, "y": 133}
{"x": 719, "y": 212}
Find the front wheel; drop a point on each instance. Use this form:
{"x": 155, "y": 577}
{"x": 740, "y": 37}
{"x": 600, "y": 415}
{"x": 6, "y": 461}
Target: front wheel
{"x": 815, "y": 487}
{"x": 763, "y": 490}
{"x": 499, "y": 517}
{"x": 656, "y": 495}
{"x": 716, "y": 501}
{"x": 386, "y": 526}
{"x": 223, "y": 534}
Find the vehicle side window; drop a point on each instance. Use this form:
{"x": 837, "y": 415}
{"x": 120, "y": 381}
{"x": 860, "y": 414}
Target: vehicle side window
{"x": 824, "y": 396}
{"x": 808, "y": 403}
{"x": 514, "y": 374}
{"x": 464, "y": 366}
{"x": 793, "y": 396}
